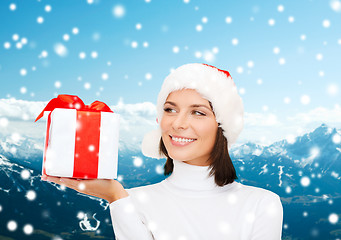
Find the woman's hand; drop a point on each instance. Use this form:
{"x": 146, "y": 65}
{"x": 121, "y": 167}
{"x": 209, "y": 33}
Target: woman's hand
{"x": 108, "y": 189}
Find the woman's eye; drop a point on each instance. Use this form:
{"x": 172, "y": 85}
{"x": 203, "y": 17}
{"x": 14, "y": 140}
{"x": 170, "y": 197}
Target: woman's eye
{"x": 168, "y": 110}
{"x": 199, "y": 113}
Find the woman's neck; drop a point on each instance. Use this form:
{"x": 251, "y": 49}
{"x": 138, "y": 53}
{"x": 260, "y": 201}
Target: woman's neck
{"x": 191, "y": 177}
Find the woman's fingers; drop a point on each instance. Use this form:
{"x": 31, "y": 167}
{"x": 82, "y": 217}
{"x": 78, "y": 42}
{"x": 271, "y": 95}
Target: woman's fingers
{"x": 67, "y": 182}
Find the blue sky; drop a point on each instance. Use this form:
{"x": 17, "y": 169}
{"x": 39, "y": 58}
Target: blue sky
{"x": 283, "y": 55}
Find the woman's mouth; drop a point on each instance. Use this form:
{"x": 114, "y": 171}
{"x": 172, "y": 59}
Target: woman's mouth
{"x": 181, "y": 141}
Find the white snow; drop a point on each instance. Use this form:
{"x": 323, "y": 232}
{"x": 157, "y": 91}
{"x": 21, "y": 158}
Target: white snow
{"x": 23, "y": 90}
{"x": 82, "y": 55}
{"x": 288, "y": 189}
{"x": 25, "y": 174}
{"x": 23, "y": 72}
{"x": 60, "y": 50}
{"x": 332, "y": 89}
{"x": 265, "y": 169}
{"x": 134, "y": 44}
{"x": 105, "y": 76}
{"x": 137, "y": 161}
{"x": 235, "y": 41}
{"x": 66, "y": 37}
{"x": 12, "y": 225}
{"x": 12, "y": 7}
{"x": 276, "y": 50}
{"x": 94, "y": 54}
{"x": 159, "y": 169}
{"x": 280, "y": 175}
{"x": 15, "y": 37}
{"x": 291, "y": 19}
{"x": 57, "y": 84}
{"x": 28, "y": 229}
{"x": 31, "y": 195}
{"x": 305, "y": 181}
{"x": 326, "y": 23}
{"x": 75, "y": 30}
{"x": 333, "y": 218}
{"x": 335, "y": 5}
{"x": 176, "y": 49}
{"x": 87, "y": 85}
{"x": 48, "y": 8}
{"x": 40, "y": 20}
{"x": 319, "y": 56}
{"x": 280, "y": 8}
{"x": 118, "y": 11}
{"x": 305, "y": 99}
{"x": 148, "y": 76}
{"x": 281, "y": 61}
{"x": 228, "y": 20}
{"x": 271, "y": 22}
{"x": 7, "y": 45}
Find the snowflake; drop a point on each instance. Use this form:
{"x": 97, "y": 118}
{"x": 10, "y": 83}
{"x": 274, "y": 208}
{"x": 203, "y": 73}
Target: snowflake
{"x": 326, "y": 23}
{"x": 333, "y": 218}
{"x": 31, "y": 195}
{"x": 12, "y": 225}
{"x": 137, "y": 161}
{"x": 305, "y": 181}
{"x": 118, "y": 11}
{"x": 40, "y": 20}
{"x": 28, "y": 229}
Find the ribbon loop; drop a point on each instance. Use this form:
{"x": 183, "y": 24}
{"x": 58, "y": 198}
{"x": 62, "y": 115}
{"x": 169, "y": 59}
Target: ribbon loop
{"x": 73, "y": 102}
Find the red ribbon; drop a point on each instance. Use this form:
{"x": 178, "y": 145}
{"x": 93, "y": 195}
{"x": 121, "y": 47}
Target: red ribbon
{"x": 73, "y": 102}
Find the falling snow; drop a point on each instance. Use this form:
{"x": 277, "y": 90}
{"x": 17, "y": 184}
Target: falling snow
{"x": 28, "y": 229}
{"x": 305, "y": 181}
{"x": 245, "y": 68}
{"x": 31, "y": 195}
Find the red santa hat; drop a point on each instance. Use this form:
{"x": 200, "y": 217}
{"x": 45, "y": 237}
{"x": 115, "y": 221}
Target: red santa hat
{"x": 213, "y": 84}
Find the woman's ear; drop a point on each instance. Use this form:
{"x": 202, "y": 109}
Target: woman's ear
{"x": 157, "y": 120}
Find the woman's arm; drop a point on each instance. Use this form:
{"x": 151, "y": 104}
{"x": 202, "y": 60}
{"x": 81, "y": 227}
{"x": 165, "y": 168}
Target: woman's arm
{"x": 108, "y": 189}
{"x": 268, "y": 219}
{"x": 127, "y": 223}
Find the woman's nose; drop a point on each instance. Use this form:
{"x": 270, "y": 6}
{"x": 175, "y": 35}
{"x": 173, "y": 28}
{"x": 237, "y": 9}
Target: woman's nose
{"x": 180, "y": 121}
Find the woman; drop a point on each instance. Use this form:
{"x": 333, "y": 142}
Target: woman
{"x": 200, "y": 115}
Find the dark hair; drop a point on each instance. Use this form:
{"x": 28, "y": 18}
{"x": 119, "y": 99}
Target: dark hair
{"x": 221, "y": 164}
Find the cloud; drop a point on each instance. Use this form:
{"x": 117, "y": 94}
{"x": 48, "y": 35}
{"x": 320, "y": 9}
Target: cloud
{"x": 139, "y": 118}
{"x": 266, "y": 128}
{"x": 19, "y": 109}
{"x": 135, "y": 120}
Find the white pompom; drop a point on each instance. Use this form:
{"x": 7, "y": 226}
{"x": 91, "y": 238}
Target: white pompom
{"x": 150, "y": 144}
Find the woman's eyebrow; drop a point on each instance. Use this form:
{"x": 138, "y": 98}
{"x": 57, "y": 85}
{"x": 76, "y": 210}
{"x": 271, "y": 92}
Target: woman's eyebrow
{"x": 192, "y": 106}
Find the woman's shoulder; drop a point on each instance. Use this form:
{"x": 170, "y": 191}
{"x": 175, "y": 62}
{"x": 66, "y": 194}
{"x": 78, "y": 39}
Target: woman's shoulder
{"x": 145, "y": 189}
{"x": 255, "y": 192}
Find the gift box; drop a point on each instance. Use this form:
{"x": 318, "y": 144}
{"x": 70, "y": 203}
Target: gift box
{"x": 81, "y": 141}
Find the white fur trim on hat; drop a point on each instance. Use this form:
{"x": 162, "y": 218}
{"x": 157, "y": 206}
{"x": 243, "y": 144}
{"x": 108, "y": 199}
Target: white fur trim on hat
{"x": 214, "y": 85}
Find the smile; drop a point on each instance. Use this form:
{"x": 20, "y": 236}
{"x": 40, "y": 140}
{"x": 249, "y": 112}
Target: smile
{"x": 181, "y": 140}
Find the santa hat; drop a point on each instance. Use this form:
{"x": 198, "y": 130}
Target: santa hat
{"x": 213, "y": 84}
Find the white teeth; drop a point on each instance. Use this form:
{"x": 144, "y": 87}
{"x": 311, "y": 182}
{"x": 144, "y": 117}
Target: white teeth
{"x": 182, "y": 139}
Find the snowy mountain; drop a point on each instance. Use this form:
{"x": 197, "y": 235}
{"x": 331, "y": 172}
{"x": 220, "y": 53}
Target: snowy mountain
{"x": 24, "y": 150}
{"x": 310, "y": 190}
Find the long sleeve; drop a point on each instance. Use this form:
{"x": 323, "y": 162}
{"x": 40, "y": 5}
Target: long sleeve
{"x": 126, "y": 221}
{"x": 268, "y": 219}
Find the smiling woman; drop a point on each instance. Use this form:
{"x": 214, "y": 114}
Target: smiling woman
{"x": 200, "y": 115}
{"x": 188, "y": 130}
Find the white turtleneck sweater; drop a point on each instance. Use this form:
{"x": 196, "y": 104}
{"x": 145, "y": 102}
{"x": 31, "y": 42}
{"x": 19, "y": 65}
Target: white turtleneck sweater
{"x": 188, "y": 205}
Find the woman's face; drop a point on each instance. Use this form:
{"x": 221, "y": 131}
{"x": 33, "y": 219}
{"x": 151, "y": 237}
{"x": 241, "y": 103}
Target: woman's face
{"x": 188, "y": 127}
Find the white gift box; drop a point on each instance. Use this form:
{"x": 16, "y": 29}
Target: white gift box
{"x": 81, "y": 144}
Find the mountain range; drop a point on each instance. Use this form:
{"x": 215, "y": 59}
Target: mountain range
{"x": 305, "y": 173}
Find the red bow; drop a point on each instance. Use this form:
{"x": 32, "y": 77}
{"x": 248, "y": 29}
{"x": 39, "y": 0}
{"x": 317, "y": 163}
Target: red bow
{"x": 73, "y": 102}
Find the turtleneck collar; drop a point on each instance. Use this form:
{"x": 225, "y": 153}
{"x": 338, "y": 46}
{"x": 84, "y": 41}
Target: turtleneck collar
{"x": 189, "y": 177}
